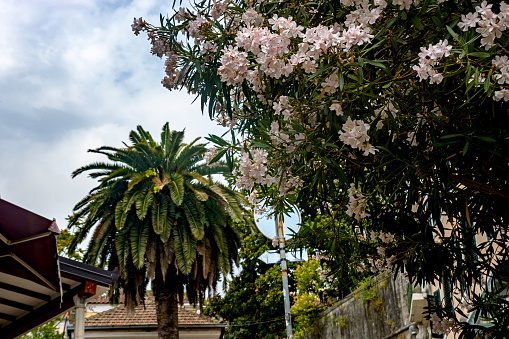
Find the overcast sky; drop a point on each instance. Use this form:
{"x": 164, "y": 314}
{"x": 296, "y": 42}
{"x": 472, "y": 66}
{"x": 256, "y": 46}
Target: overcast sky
{"x": 73, "y": 77}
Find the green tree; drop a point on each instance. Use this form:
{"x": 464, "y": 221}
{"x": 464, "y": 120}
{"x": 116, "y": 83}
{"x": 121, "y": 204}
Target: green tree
{"x": 253, "y": 304}
{"x": 46, "y": 331}
{"x": 64, "y": 241}
{"x": 394, "y": 111}
{"x": 158, "y": 215}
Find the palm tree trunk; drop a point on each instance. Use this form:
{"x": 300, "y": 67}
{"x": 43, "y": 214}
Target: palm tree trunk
{"x": 165, "y": 293}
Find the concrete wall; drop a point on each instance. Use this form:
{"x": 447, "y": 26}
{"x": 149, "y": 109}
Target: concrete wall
{"x": 380, "y": 312}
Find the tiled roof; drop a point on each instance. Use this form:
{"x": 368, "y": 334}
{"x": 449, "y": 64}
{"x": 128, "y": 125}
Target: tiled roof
{"x": 103, "y": 299}
{"x": 144, "y": 316}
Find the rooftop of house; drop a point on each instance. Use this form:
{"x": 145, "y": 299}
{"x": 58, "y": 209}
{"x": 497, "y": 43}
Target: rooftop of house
{"x": 143, "y": 315}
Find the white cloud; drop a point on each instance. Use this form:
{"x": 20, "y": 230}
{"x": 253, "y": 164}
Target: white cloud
{"x": 73, "y": 76}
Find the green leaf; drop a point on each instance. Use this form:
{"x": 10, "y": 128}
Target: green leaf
{"x": 416, "y": 21}
{"x": 436, "y": 21}
{"x": 465, "y": 148}
{"x": 195, "y": 217}
{"x": 159, "y": 207}
{"x": 122, "y": 247}
{"x": 120, "y": 216}
{"x": 143, "y": 203}
{"x": 479, "y": 55}
{"x": 185, "y": 248}
{"x": 453, "y": 34}
{"x": 375, "y": 63}
{"x": 488, "y": 80}
{"x": 176, "y": 186}
{"x": 449, "y": 136}
{"x": 169, "y": 221}
{"x": 139, "y": 238}
{"x": 483, "y": 138}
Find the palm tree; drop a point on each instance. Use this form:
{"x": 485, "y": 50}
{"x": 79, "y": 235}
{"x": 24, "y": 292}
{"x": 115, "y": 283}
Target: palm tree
{"x": 157, "y": 214}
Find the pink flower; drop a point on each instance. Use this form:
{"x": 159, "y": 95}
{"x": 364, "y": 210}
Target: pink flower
{"x": 502, "y": 94}
{"x": 233, "y": 69}
{"x": 208, "y": 47}
{"x": 218, "y": 9}
{"x": 355, "y": 134}
{"x": 252, "y": 18}
{"x": 138, "y": 26}
{"x": 468, "y": 21}
{"x": 357, "y": 203}
{"x": 337, "y": 108}
{"x": 209, "y": 155}
{"x": 331, "y": 83}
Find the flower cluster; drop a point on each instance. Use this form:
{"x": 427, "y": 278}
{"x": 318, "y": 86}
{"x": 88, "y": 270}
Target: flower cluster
{"x": 487, "y": 23}
{"x": 357, "y": 203}
{"x": 429, "y": 57}
{"x": 502, "y": 64}
{"x": 441, "y": 326}
{"x": 253, "y": 170}
{"x": 138, "y": 26}
{"x": 209, "y": 155}
{"x": 233, "y": 68}
{"x": 355, "y": 134}
{"x": 218, "y": 9}
{"x": 170, "y": 81}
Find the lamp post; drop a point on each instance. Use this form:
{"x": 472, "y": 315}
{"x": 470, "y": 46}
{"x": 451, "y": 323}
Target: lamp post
{"x": 284, "y": 270}
{"x": 280, "y": 235}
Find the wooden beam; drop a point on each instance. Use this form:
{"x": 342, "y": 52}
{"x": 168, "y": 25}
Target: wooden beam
{"x": 40, "y": 315}
{"x": 24, "y": 291}
{"x": 16, "y": 304}
{"x": 7, "y": 317}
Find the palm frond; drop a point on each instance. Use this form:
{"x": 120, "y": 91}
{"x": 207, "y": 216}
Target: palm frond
{"x": 96, "y": 166}
{"x": 138, "y": 238}
{"x": 170, "y": 220}
{"x": 143, "y": 203}
{"x": 165, "y": 136}
{"x": 122, "y": 243}
{"x": 176, "y": 187}
{"x": 199, "y": 193}
{"x": 185, "y": 247}
{"x": 195, "y": 216}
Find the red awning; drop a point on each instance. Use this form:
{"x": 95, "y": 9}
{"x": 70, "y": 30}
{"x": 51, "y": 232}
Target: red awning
{"x": 28, "y": 247}
{"x": 36, "y": 285}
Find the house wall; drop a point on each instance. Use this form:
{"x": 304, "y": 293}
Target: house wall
{"x": 140, "y": 334}
{"x": 386, "y": 317}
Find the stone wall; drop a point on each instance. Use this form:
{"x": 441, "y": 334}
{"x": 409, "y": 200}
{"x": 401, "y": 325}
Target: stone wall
{"x": 377, "y": 312}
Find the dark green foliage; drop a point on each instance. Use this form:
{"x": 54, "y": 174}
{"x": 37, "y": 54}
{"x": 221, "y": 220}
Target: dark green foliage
{"x": 46, "y": 331}
{"x": 253, "y": 305}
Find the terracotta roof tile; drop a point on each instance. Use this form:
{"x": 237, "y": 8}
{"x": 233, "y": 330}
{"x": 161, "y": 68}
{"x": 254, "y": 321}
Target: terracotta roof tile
{"x": 143, "y": 316}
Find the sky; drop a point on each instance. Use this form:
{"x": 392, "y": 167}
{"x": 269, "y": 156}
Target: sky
{"x": 74, "y": 77}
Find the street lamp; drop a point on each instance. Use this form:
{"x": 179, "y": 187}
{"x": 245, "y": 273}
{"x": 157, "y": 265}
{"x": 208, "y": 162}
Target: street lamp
{"x": 281, "y": 232}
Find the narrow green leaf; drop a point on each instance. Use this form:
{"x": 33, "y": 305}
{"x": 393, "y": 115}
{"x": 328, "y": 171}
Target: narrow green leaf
{"x": 185, "y": 248}
{"x": 143, "y": 203}
{"x": 479, "y": 55}
{"x": 465, "y": 148}
{"x": 139, "y": 238}
{"x": 195, "y": 217}
{"x": 176, "y": 186}
{"x": 416, "y": 21}
{"x": 171, "y": 218}
{"x": 453, "y": 34}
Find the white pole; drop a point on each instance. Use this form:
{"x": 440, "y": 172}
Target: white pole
{"x": 284, "y": 269}
{"x": 79, "y": 319}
